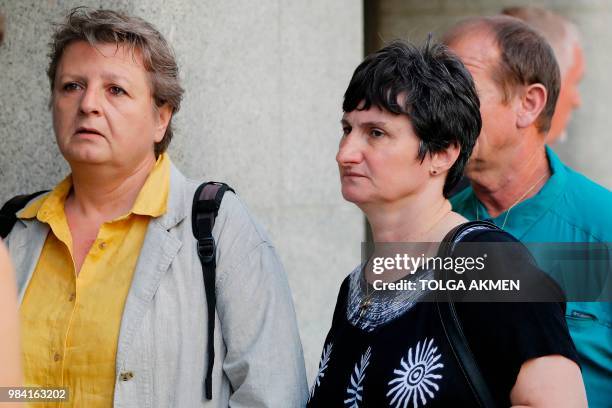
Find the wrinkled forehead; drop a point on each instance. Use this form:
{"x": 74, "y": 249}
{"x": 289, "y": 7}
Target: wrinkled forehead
{"x": 113, "y": 51}
{"x": 364, "y": 114}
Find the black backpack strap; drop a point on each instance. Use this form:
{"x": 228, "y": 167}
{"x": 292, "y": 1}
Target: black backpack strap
{"x": 452, "y": 325}
{"x": 8, "y": 212}
{"x": 206, "y": 203}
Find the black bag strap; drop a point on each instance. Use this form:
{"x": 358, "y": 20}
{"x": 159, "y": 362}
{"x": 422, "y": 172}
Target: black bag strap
{"x": 8, "y": 212}
{"x": 452, "y": 325}
{"x": 206, "y": 203}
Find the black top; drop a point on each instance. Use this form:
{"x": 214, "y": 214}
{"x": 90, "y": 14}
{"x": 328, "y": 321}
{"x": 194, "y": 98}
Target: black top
{"x": 407, "y": 362}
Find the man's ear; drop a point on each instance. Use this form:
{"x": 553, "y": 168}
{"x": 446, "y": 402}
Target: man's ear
{"x": 443, "y": 160}
{"x": 532, "y": 102}
{"x": 164, "y": 114}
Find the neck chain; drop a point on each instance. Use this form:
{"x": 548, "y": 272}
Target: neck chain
{"x": 367, "y": 299}
{"x": 514, "y": 204}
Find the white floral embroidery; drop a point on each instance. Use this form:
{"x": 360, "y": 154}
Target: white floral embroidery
{"x": 355, "y": 389}
{"x": 322, "y": 367}
{"x": 415, "y": 378}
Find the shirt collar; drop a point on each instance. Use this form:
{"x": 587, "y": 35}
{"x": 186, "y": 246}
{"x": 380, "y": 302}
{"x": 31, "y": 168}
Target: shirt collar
{"x": 523, "y": 215}
{"x": 152, "y": 200}
{"x": 46, "y": 207}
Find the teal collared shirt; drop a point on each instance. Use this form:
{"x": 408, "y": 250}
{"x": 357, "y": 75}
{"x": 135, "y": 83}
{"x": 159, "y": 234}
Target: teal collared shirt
{"x": 569, "y": 208}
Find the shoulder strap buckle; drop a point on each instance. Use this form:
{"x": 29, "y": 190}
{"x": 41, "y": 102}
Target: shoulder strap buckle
{"x": 206, "y": 249}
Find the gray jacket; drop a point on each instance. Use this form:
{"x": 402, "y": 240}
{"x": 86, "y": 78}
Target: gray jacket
{"x": 161, "y": 353}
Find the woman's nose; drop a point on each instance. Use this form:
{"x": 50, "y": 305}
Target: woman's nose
{"x": 90, "y": 102}
{"x": 350, "y": 150}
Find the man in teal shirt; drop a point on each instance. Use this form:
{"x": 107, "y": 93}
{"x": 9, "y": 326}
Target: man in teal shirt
{"x": 520, "y": 184}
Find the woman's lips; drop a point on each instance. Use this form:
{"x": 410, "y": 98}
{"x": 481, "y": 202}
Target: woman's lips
{"x": 352, "y": 175}
{"x": 87, "y": 132}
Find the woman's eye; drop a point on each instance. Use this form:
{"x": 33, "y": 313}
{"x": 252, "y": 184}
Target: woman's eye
{"x": 116, "y": 90}
{"x": 71, "y": 86}
{"x": 376, "y": 133}
{"x": 346, "y": 131}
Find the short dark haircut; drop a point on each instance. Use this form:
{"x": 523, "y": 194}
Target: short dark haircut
{"x": 432, "y": 87}
{"x": 109, "y": 26}
{"x": 526, "y": 58}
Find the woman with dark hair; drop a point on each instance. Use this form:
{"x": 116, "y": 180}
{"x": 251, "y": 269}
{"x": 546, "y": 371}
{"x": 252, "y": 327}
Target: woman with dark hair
{"x": 411, "y": 118}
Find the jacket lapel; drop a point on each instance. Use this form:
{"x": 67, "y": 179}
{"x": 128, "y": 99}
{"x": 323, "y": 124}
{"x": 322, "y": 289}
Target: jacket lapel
{"x": 158, "y": 251}
{"x": 25, "y": 245}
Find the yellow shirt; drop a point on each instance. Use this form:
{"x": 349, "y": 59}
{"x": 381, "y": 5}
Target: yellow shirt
{"x": 70, "y": 323}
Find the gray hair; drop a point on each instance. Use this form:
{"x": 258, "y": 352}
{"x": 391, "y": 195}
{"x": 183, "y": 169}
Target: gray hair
{"x": 108, "y": 26}
{"x": 562, "y": 35}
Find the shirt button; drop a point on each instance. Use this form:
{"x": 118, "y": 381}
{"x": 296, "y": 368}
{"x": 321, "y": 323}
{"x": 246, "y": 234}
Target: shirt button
{"x": 126, "y": 376}
{"x": 71, "y": 297}
{"x": 57, "y": 357}
{"x": 102, "y": 245}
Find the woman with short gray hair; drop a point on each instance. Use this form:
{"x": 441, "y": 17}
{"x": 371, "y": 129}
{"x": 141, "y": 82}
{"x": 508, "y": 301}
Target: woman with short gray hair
{"x": 116, "y": 303}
